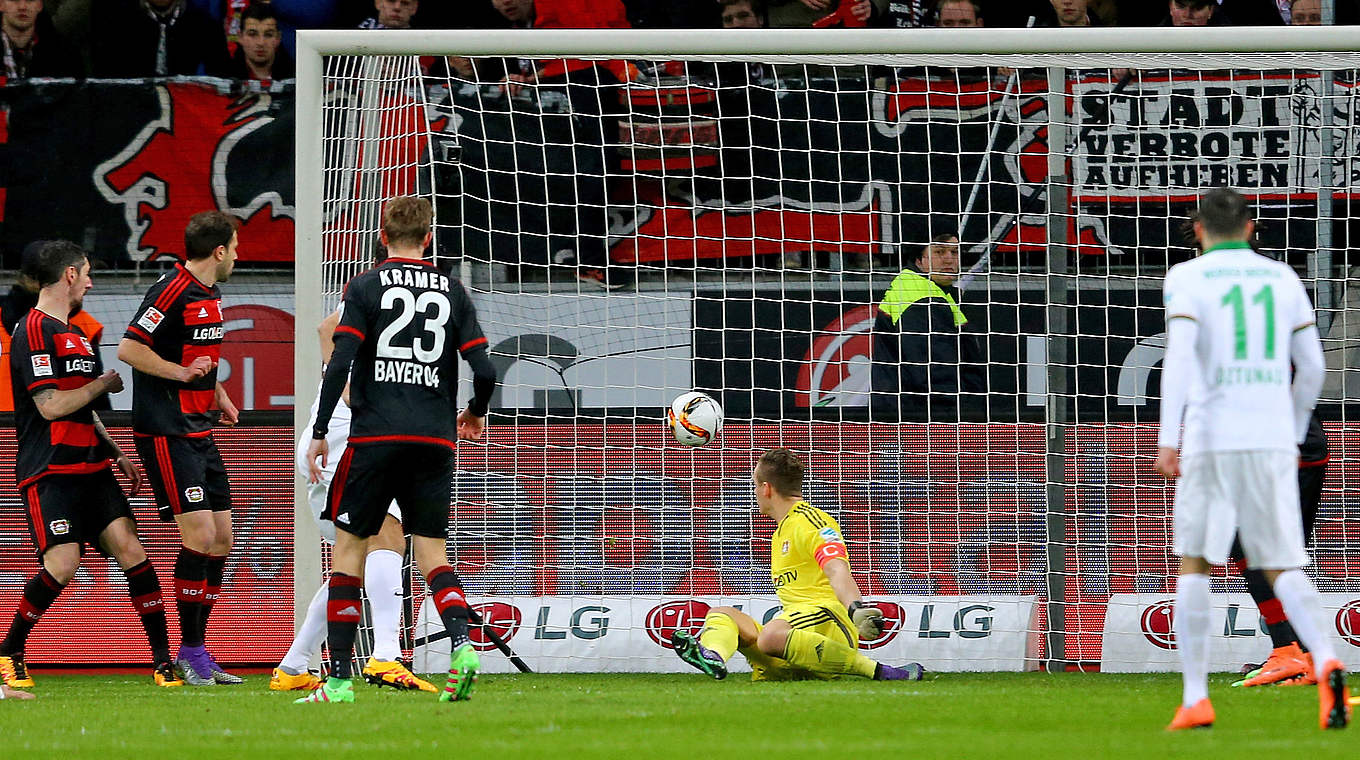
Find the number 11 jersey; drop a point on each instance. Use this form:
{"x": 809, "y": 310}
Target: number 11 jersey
{"x": 1247, "y": 308}
{"x": 412, "y": 321}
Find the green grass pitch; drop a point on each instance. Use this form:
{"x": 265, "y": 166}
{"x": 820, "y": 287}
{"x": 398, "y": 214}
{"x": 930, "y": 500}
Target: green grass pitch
{"x": 1025, "y": 715}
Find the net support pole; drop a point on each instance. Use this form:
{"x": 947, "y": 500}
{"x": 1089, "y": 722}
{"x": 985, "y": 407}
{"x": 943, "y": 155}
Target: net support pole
{"x": 1056, "y": 410}
{"x": 1320, "y": 264}
{"x": 307, "y": 309}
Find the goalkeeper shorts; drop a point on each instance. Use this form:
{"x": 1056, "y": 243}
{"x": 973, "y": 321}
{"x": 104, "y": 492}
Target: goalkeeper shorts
{"x": 829, "y": 620}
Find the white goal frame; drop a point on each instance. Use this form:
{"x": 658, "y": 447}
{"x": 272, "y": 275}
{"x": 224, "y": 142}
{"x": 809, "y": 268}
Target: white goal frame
{"x": 1056, "y": 50}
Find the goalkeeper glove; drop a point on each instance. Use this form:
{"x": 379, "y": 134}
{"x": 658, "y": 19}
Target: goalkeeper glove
{"x": 868, "y": 620}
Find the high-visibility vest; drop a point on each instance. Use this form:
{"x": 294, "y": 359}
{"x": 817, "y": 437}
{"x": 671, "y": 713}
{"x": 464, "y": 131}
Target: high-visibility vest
{"x": 909, "y": 287}
{"x": 82, "y": 319}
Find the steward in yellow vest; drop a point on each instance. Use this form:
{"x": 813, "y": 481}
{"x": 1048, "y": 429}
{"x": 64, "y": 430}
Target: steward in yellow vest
{"x": 922, "y": 358}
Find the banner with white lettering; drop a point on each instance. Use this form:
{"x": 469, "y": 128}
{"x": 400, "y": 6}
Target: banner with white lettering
{"x": 1140, "y": 638}
{"x": 632, "y": 633}
{"x": 1167, "y": 137}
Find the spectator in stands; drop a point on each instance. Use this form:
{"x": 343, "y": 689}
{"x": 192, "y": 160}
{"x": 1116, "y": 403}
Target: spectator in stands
{"x": 497, "y": 14}
{"x": 1194, "y": 13}
{"x": 16, "y": 304}
{"x": 958, "y": 14}
{"x": 258, "y": 56}
{"x": 391, "y": 14}
{"x": 143, "y": 38}
{"x": 1305, "y": 13}
{"x": 904, "y": 14}
{"x": 742, "y": 14}
{"x": 922, "y": 359}
{"x": 1071, "y": 13}
{"x": 292, "y": 15}
{"x": 520, "y": 13}
{"x": 806, "y": 13}
{"x": 27, "y": 53}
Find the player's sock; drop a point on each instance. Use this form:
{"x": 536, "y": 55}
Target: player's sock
{"x": 719, "y": 634}
{"x": 815, "y": 652}
{"x": 190, "y": 570}
{"x": 1192, "y": 636}
{"x": 39, "y": 594}
{"x": 1304, "y": 608}
{"x": 212, "y": 586}
{"x": 382, "y": 582}
{"x": 309, "y": 636}
{"x": 1281, "y": 632}
{"x": 342, "y": 622}
{"x": 447, "y": 592}
{"x": 145, "y": 589}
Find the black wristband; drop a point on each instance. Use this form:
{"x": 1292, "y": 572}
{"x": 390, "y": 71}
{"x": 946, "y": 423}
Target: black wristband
{"x": 318, "y": 434}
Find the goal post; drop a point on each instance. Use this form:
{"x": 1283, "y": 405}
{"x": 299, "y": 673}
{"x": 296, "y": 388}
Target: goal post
{"x": 766, "y": 187}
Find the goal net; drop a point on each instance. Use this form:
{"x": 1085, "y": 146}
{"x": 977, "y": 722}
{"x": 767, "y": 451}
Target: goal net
{"x": 749, "y": 200}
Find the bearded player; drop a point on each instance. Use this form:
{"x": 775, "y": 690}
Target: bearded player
{"x": 173, "y": 344}
{"x": 71, "y": 497}
{"x": 817, "y": 633}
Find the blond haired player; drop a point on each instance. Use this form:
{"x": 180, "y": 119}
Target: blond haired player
{"x": 1236, "y": 321}
{"x": 817, "y": 633}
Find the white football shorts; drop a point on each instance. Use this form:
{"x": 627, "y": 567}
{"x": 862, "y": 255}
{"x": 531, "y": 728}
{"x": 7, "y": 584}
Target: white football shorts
{"x": 1254, "y": 494}
{"x": 316, "y": 492}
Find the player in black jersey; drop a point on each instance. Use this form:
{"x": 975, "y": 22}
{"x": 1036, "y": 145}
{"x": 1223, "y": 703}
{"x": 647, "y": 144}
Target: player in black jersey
{"x": 173, "y": 344}
{"x": 68, "y": 489}
{"x": 402, "y": 326}
{"x": 1289, "y": 663}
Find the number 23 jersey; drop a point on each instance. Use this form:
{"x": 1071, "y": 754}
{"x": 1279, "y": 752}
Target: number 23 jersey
{"x": 412, "y": 321}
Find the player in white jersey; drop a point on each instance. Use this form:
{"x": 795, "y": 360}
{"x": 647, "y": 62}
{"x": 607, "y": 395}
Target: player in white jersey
{"x": 1236, "y": 321}
{"x": 382, "y": 571}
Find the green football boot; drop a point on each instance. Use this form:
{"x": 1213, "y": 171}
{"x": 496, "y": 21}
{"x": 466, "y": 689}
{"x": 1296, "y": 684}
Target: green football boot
{"x": 330, "y": 690}
{"x": 463, "y": 668}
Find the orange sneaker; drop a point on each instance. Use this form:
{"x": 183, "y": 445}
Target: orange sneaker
{"x": 1284, "y": 663}
{"x": 1334, "y": 708}
{"x": 1198, "y": 715}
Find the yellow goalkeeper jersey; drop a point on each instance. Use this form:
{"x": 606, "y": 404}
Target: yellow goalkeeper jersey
{"x": 805, "y": 540}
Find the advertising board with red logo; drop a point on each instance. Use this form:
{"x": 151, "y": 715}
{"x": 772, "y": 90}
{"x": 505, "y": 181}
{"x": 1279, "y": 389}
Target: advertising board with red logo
{"x": 93, "y": 621}
{"x": 633, "y": 633}
{"x": 1139, "y": 635}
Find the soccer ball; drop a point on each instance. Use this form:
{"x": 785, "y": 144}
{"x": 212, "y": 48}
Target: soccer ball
{"x": 694, "y": 418}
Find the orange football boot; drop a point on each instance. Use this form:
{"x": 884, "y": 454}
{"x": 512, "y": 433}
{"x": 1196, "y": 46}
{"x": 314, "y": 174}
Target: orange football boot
{"x": 1198, "y": 715}
{"x": 1334, "y": 708}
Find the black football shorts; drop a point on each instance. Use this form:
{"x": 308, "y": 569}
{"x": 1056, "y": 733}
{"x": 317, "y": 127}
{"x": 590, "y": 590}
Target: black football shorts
{"x": 69, "y": 509}
{"x": 186, "y": 474}
{"x": 419, "y": 477}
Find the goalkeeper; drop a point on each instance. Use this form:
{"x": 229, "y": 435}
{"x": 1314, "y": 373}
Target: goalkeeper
{"x": 817, "y": 633}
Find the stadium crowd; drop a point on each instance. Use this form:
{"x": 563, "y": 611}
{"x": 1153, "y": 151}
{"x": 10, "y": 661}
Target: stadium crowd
{"x": 253, "y": 39}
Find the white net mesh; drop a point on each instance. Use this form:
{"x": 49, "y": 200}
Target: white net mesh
{"x": 756, "y": 210}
